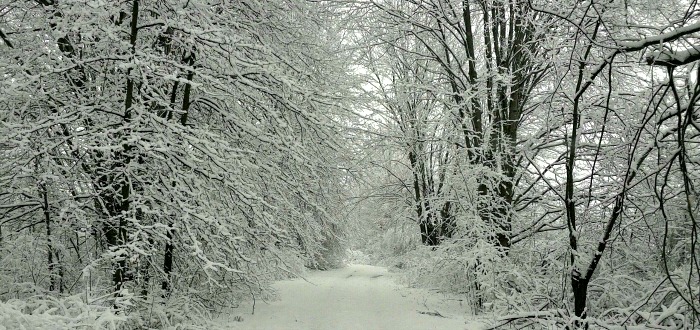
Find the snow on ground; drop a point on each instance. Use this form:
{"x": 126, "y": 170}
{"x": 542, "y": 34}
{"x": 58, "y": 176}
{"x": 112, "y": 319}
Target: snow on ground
{"x": 355, "y": 297}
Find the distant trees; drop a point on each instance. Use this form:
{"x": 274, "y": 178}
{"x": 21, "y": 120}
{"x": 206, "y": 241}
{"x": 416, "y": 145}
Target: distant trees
{"x": 417, "y": 115}
{"x": 479, "y": 92}
{"x": 165, "y": 144}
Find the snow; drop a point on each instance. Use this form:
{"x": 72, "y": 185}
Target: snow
{"x": 353, "y": 297}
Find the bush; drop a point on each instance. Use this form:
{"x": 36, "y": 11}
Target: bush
{"x": 39, "y": 313}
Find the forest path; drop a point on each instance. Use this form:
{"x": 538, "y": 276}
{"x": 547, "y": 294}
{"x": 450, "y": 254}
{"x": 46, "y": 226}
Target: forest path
{"x": 354, "y": 297}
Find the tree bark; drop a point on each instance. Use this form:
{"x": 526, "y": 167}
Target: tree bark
{"x": 49, "y": 244}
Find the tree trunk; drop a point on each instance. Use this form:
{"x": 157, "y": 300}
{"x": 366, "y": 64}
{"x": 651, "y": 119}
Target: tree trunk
{"x": 580, "y": 288}
{"x": 49, "y": 244}
{"x": 168, "y": 261}
{"x": 430, "y": 233}
{"x": 447, "y": 220}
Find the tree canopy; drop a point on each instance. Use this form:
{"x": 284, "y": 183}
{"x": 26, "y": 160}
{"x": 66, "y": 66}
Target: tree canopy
{"x": 538, "y": 156}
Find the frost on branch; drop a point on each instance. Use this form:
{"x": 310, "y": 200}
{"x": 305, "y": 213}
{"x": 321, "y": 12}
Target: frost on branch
{"x": 163, "y": 151}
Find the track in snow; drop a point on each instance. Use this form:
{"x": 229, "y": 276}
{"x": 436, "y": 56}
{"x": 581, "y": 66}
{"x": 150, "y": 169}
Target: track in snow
{"x": 355, "y": 297}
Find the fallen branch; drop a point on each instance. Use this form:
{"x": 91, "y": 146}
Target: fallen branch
{"x": 431, "y": 314}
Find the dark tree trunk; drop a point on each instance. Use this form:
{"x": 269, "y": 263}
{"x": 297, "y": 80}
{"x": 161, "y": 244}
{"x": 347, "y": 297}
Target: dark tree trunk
{"x": 60, "y": 272}
{"x": 580, "y": 288}
{"x": 118, "y": 233}
{"x": 168, "y": 261}
{"x": 430, "y": 232}
{"x": 108, "y": 202}
{"x": 49, "y": 243}
{"x": 447, "y": 220}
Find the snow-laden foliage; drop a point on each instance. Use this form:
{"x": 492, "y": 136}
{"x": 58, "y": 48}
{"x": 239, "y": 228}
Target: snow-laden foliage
{"x": 166, "y": 152}
{"x": 538, "y": 157}
{"x": 564, "y": 167}
{"x": 51, "y": 313}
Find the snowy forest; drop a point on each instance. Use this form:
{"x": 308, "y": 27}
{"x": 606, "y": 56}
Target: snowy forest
{"x": 164, "y": 160}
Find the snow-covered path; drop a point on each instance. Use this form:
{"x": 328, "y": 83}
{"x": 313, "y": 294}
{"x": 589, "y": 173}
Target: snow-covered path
{"x": 355, "y": 297}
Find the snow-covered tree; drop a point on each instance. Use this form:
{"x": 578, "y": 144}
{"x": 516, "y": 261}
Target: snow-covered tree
{"x": 160, "y": 147}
